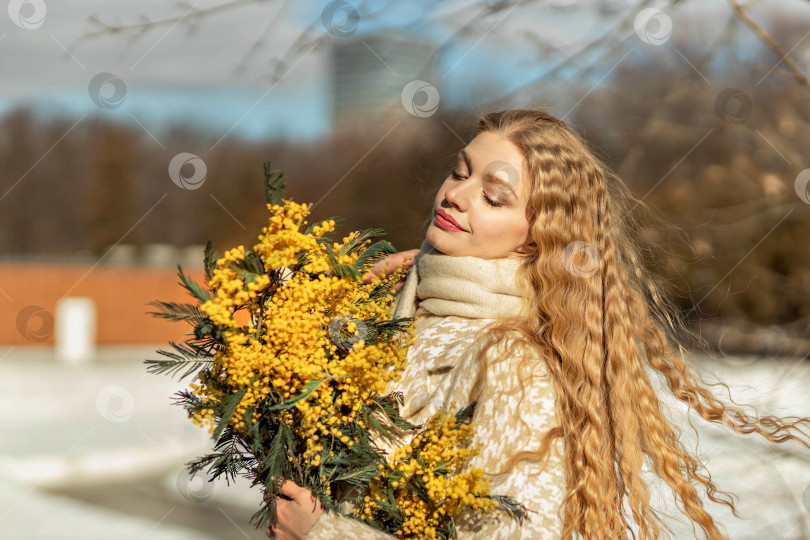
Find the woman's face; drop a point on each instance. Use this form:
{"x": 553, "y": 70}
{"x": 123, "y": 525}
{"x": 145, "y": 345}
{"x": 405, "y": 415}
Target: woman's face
{"x": 486, "y": 195}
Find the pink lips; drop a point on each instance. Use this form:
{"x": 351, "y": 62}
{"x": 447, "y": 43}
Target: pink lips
{"x": 446, "y": 221}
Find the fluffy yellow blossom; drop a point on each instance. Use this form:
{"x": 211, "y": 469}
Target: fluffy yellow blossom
{"x": 292, "y": 339}
{"x": 434, "y": 461}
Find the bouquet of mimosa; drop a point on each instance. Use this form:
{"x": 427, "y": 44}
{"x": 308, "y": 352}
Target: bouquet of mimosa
{"x": 290, "y": 353}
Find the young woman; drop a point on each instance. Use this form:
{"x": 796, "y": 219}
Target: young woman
{"x": 531, "y": 300}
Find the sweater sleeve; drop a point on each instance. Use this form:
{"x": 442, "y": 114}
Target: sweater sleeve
{"x": 332, "y": 525}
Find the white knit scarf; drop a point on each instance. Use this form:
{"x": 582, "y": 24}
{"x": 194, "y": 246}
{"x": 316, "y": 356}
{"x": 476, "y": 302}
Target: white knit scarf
{"x": 439, "y": 284}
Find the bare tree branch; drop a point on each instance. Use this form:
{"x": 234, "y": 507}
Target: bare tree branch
{"x": 145, "y": 25}
{"x": 611, "y": 36}
{"x": 769, "y": 41}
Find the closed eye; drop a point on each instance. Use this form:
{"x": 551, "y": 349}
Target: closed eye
{"x": 488, "y": 200}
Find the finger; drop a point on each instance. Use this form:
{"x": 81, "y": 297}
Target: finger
{"x": 394, "y": 260}
{"x": 410, "y": 256}
{"x": 397, "y": 262}
{"x": 268, "y": 496}
{"x": 293, "y": 491}
{"x": 383, "y": 268}
{"x": 369, "y": 276}
{"x": 377, "y": 270}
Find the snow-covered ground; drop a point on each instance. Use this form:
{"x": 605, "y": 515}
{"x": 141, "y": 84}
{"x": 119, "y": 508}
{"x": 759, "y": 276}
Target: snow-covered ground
{"x": 97, "y": 451}
{"x": 106, "y": 431}
{"x": 770, "y": 483}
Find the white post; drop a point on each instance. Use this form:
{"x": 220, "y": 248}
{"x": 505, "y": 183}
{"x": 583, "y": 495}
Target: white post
{"x": 75, "y": 330}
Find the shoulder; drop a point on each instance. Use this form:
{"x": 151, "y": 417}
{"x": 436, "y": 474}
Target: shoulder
{"x": 511, "y": 362}
{"x": 448, "y": 327}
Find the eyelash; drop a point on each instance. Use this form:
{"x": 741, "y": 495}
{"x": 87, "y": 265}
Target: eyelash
{"x": 489, "y": 201}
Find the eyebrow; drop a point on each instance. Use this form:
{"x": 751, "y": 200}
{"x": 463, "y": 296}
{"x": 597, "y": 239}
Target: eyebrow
{"x": 489, "y": 176}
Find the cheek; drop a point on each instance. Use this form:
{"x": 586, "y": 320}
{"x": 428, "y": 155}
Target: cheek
{"x": 507, "y": 227}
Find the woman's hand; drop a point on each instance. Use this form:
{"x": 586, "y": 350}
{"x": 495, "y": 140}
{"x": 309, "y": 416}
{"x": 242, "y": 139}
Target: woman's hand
{"x": 389, "y": 264}
{"x": 296, "y": 516}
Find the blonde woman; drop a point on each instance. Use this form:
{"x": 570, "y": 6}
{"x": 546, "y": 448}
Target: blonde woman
{"x": 531, "y": 300}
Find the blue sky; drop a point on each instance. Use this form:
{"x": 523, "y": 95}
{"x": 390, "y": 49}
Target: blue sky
{"x": 173, "y": 75}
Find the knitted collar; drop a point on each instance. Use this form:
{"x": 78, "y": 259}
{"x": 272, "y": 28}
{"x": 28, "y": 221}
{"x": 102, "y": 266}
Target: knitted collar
{"x": 439, "y": 284}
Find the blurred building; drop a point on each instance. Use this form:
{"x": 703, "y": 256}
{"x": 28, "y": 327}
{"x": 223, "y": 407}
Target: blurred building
{"x": 118, "y": 288}
{"x": 369, "y": 75}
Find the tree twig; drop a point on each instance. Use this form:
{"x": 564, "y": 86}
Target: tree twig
{"x": 145, "y": 24}
{"x": 769, "y": 41}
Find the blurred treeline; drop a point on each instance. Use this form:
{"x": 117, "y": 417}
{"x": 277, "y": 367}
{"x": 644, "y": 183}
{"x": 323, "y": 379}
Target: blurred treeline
{"x": 716, "y": 163}
{"x": 716, "y": 168}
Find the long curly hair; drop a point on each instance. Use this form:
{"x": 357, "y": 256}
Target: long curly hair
{"x": 599, "y": 321}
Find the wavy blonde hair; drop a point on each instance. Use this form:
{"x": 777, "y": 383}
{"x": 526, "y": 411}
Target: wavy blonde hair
{"x": 598, "y": 320}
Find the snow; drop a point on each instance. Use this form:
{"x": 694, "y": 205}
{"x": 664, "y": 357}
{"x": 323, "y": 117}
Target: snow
{"x": 68, "y": 426}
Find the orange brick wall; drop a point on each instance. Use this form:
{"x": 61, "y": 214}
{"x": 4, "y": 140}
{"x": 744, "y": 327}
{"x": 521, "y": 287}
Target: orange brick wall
{"x": 120, "y": 294}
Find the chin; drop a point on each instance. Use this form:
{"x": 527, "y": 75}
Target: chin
{"x": 442, "y": 245}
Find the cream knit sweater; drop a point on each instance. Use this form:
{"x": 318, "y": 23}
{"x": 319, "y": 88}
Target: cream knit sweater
{"x": 452, "y": 299}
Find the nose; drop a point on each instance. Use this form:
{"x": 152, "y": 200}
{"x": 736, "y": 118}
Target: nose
{"x": 458, "y": 196}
